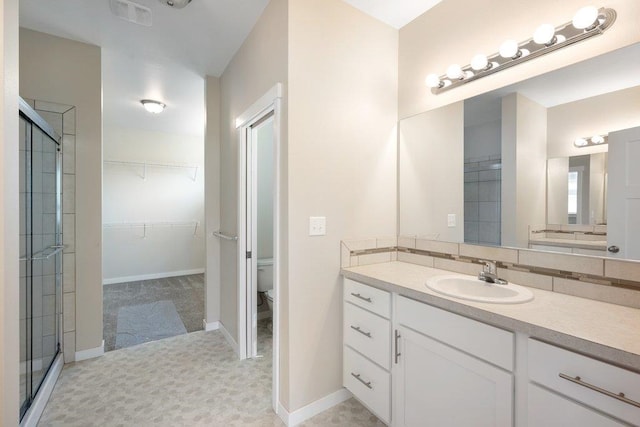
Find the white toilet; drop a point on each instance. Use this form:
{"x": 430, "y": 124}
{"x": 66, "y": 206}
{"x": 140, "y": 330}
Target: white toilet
{"x": 265, "y": 279}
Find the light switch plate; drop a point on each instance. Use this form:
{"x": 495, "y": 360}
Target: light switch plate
{"x": 317, "y": 225}
{"x": 451, "y": 220}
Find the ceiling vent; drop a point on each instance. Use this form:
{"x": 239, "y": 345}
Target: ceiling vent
{"x": 176, "y": 4}
{"x": 131, "y": 12}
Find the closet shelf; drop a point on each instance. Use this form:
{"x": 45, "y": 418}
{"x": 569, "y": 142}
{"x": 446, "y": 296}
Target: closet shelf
{"x": 145, "y": 165}
{"x": 151, "y": 224}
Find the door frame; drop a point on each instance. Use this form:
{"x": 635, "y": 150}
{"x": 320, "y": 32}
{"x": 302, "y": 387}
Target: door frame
{"x": 269, "y": 103}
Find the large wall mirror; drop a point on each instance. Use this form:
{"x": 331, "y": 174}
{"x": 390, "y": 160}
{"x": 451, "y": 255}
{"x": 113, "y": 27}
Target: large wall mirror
{"x": 502, "y": 168}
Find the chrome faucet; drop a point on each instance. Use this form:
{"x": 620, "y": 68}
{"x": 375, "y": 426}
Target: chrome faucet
{"x": 489, "y": 273}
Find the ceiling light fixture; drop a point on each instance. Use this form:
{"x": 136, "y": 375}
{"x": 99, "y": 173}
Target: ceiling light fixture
{"x": 587, "y": 22}
{"x": 590, "y": 142}
{"x": 155, "y": 107}
{"x": 176, "y": 4}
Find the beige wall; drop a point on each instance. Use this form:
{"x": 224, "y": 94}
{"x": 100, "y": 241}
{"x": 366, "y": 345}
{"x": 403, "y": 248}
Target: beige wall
{"x": 431, "y": 147}
{"x": 9, "y": 337}
{"x": 342, "y": 165}
{"x": 557, "y": 191}
{"x": 591, "y": 116}
{"x": 524, "y": 168}
{"x": 258, "y": 65}
{"x": 68, "y": 72}
{"x": 455, "y": 30}
{"x": 212, "y": 199}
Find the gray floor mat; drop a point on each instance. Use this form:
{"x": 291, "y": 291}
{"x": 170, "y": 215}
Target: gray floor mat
{"x": 142, "y": 323}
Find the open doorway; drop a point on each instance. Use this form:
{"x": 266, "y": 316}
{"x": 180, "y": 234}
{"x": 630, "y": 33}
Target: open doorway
{"x": 258, "y": 237}
{"x": 153, "y": 202}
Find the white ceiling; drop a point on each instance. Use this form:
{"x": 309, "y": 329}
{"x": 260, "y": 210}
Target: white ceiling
{"x": 396, "y": 13}
{"x": 169, "y": 60}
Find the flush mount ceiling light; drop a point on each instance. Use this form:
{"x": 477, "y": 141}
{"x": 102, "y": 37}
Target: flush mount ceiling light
{"x": 587, "y": 22}
{"x": 155, "y": 107}
{"x": 176, "y": 4}
{"x": 590, "y": 142}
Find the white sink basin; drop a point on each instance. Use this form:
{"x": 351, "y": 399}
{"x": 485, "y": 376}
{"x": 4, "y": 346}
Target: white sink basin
{"x": 470, "y": 288}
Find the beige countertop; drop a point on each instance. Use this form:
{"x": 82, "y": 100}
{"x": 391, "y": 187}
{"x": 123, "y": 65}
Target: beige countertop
{"x": 605, "y": 331}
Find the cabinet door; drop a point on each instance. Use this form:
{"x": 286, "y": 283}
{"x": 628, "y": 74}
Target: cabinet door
{"x": 437, "y": 385}
{"x": 547, "y": 409}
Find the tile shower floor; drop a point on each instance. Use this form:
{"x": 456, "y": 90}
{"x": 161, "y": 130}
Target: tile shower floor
{"x": 188, "y": 380}
{"x": 147, "y": 310}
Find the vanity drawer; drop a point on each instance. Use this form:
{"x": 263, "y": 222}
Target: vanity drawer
{"x": 547, "y": 363}
{"x": 365, "y": 296}
{"x": 486, "y": 342}
{"x": 369, "y": 383}
{"x": 368, "y": 333}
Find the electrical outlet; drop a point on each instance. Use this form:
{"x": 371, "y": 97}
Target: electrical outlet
{"x": 317, "y": 226}
{"x": 451, "y": 220}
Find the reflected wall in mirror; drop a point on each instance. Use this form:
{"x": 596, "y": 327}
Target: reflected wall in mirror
{"x": 576, "y": 189}
{"x": 494, "y": 168}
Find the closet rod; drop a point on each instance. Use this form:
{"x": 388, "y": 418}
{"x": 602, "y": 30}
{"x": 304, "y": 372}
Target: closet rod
{"x": 155, "y": 165}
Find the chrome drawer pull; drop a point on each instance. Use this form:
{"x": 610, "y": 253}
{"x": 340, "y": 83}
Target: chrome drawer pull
{"x": 619, "y": 396}
{"x": 398, "y": 354}
{"x": 367, "y": 383}
{"x": 367, "y": 299}
{"x": 357, "y": 329}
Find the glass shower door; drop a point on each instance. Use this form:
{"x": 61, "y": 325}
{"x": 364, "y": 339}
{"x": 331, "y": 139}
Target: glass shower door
{"x": 40, "y": 253}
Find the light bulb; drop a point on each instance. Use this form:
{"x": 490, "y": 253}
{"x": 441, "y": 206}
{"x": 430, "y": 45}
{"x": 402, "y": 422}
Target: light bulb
{"x": 597, "y": 139}
{"x": 479, "y": 62}
{"x": 580, "y": 142}
{"x": 454, "y": 72}
{"x": 585, "y": 17}
{"x": 509, "y": 49}
{"x": 433, "y": 80}
{"x": 544, "y": 34}
{"x": 155, "y": 107}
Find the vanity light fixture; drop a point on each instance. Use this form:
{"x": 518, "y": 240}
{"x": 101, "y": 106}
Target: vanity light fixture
{"x": 590, "y": 142}
{"x": 155, "y": 107}
{"x": 589, "y": 21}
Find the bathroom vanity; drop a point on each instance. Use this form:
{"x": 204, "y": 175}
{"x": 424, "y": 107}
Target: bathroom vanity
{"x": 415, "y": 357}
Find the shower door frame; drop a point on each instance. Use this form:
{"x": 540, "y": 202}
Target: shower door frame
{"x": 32, "y": 407}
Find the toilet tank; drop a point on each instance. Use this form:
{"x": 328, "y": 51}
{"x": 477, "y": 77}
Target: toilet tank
{"x": 265, "y": 274}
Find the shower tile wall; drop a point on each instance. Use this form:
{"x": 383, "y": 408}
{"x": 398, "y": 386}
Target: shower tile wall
{"x": 482, "y": 201}
{"x": 63, "y": 119}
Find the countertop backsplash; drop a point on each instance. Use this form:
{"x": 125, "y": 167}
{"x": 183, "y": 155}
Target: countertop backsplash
{"x": 597, "y": 278}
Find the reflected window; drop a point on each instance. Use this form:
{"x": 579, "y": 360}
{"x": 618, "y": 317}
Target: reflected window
{"x": 573, "y": 193}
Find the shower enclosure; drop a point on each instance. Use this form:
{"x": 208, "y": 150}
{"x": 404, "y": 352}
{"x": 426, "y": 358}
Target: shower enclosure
{"x": 40, "y": 252}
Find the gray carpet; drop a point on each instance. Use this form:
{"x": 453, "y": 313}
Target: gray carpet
{"x": 186, "y": 293}
{"x": 142, "y": 323}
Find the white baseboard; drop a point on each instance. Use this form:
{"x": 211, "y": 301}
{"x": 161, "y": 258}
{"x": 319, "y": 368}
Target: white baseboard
{"x": 34, "y": 413}
{"x": 296, "y": 417}
{"x": 229, "y": 338}
{"x": 90, "y": 353}
{"x": 211, "y": 326}
{"x": 151, "y": 276}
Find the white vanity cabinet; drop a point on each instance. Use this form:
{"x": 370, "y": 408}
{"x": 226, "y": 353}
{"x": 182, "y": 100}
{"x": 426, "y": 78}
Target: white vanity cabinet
{"x": 567, "y": 389}
{"x": 437, "y": 381}
{"x": 367, "y": 346}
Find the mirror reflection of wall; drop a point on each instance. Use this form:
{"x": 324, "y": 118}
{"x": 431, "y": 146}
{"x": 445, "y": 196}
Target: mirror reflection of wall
{"x": 523, "y": 134}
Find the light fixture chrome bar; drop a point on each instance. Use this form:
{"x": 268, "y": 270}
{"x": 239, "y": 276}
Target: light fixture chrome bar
{"x": 565, "y": 35}
{"x": 592, "y": 141}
